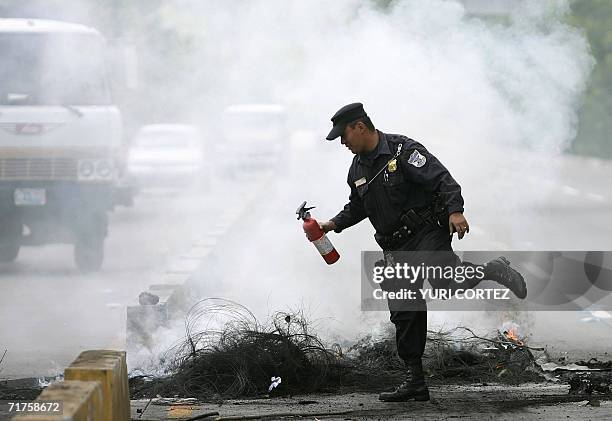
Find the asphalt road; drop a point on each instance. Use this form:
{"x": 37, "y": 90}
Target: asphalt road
{"x": 49, "y": 311}
{"x": 514, "y": 201}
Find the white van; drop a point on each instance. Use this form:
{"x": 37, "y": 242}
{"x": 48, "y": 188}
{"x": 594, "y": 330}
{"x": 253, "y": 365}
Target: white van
{"x": 60, "y": 136}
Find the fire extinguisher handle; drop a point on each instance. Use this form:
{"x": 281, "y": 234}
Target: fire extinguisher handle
{"x": 302, "y": 211}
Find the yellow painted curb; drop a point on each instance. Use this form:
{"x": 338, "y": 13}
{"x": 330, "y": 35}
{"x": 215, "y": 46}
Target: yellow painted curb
{"x": 110, "y": 369}
{"x": 82, "y": 401}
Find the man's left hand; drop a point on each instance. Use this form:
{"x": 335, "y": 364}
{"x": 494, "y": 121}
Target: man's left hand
{"x": 458, "y": 223}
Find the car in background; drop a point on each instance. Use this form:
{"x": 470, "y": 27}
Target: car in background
{"x": 167, "y": 155}
{"x": 253, "y": 134}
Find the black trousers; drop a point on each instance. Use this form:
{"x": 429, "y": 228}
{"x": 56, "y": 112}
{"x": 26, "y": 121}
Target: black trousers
{"x": 411, "y": 325}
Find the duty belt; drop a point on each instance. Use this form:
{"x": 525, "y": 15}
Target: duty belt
{"x": 412, "y": 221}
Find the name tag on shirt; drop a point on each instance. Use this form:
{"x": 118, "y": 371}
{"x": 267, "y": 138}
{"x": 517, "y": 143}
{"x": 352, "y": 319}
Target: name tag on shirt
{"x": 360, "y": 182}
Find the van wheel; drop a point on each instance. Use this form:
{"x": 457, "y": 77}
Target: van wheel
{"x": 89, "y": 254}
{"x": 10, "y": 237}
{"x": 9, "y": 251}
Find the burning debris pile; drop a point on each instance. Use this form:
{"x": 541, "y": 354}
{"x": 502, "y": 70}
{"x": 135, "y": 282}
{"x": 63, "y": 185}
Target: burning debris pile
{"x": 508, "y": 359}
{"x": 456, "y": 355}
{"x": 461, "y": 354}
{"x": 592, "y": 377}
{"x": 228, "y": 353}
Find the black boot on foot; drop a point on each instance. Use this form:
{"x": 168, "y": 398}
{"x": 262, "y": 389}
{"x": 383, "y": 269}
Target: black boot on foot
{"x": 413, "y": 388}
{"x": 499, "y": 270}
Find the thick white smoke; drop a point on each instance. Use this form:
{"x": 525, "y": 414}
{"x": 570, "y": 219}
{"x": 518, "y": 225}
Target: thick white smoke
{"x": 492, "y": 98}
{"x": 495, "y": 99}
{"x": 425, "y": 68}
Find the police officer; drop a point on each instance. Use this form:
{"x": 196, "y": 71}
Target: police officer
{"x": 414, "y": 204}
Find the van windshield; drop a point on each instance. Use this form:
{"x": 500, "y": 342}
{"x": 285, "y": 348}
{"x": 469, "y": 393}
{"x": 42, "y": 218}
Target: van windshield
{"x": 52, "y": 69}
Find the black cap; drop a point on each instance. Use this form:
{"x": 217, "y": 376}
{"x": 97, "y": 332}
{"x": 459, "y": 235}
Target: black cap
{"x": 343, "y": 116}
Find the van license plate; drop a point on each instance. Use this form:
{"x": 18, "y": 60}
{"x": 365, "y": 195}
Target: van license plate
{"x": 30, "y": 197}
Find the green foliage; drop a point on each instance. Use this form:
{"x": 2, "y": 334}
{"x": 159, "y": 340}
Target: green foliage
{"x": 595, "y": 131}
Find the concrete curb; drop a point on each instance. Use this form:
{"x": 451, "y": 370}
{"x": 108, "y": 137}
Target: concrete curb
{"x": 82, "y": 401}
{"x": 95, "y": 389}
{"x": 109, "y": 368}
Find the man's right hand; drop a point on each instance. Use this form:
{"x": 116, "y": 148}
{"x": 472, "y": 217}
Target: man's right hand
{"x": 327, "y": 226}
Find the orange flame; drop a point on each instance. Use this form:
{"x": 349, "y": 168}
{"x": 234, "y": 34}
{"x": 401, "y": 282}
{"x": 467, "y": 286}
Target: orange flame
{"x": 513, "y": 336}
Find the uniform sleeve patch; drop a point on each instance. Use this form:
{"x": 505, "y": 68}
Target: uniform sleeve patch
{"x": 417, "y": 159}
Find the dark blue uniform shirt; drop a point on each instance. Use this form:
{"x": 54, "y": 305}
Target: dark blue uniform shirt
{"x": 409, "y": 182}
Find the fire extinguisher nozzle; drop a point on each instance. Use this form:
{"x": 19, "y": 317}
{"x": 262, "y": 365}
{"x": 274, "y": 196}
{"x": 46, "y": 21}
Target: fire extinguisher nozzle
{"x": 302, "y": 211}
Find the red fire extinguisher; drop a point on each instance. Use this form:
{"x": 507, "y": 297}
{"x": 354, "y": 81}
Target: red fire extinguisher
{"x": 315, "y": 234}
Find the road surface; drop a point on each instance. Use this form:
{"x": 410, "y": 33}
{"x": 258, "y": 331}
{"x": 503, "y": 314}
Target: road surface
{"x": 49, "y": 311}
{"x": 514, "y": 201}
